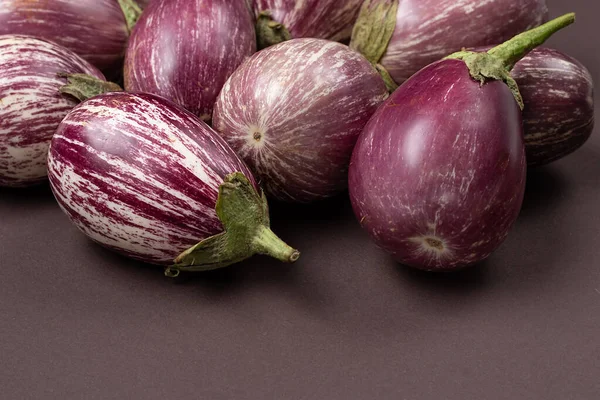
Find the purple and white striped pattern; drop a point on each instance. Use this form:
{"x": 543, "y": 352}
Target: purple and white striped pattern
{"x": 438, "y": 176}
{"x": 94, "y": 29}
{"x": 324, "y": 19}
{"x": 428, "y": 30}
{"x": 184, "y": 50}
{"x": 559, "y": 104}
{"x": 31, "y": 106}
{"x": 140, "y": 175}
{"x": 294, "y": 111}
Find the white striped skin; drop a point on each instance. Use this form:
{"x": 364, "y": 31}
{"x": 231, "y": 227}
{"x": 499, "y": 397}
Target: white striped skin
{"x": 428, "y": 30}
{"x": 94, "y": 29}
{"x": 31, "y": 106}
{"x": 140, "y": 175}
{"x": 294, "y": 111}
{"x": 324, "y": 19}
{"x": 184, "y": 50}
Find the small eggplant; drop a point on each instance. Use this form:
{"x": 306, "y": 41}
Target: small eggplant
{"x": 294, "y": 111}
{"x": 185, "y": 50}
{"x": 404, "y": 36}
{"x": 96, "y": 30}
{"x": 144, "y": 177}
{"x": 438, "y": 176}
{"x": 280, "y": 20}
{"x": 31, "y": 106}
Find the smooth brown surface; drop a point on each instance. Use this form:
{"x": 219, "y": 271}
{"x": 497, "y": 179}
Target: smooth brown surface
{"x": 345, "y": 322}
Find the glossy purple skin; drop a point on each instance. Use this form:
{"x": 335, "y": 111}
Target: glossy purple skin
{"x": 559, "y": 104}
{"x": 185, "y": 50}
{"x": 140, "y": 175}
{"x": 94, "y": 29}
{"x": 437, "y": 178}
{"x": 31, "y": 106}
{"x": 428, "y": 30}
{"x": 324, "y": 19}
{"x": 294, "y": 111}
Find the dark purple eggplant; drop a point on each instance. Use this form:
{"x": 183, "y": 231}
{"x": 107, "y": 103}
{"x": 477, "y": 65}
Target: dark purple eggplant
{"x": 146, "y": 178}
{"x": 405, "y": 36}
{"x": 558, "y": 93}
{"x": 294, "y": 111}
{"x": 185, "y": 50}
{"x": 437, "y": 178}
{"x": 31, "y": 106}
{"x": 280, "y": 20}
{"x": 96, "y": 30}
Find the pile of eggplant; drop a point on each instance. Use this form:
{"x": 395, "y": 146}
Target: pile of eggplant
{"x": 427, "y": 112}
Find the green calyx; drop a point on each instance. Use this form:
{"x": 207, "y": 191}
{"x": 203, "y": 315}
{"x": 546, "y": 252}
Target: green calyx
{"x": 132, "y": 12}
{"x": 244, "y": 214}
{"x": 83, "y": 87}
{"x": 372, "y": 33}
{"x": 269, "y": 31}
{"x": 497, "y": 63}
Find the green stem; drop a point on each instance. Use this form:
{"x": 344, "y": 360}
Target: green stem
{"x": 515, "y": 49}
{"x": 244, "y": 214}
{"x": 132, "y": 12}
{"x": 270, "y": 32}
{"x": 374, "y": 28}
{"x": 83, "y": 87}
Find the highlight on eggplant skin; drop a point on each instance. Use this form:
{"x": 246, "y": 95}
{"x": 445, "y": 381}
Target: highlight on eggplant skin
{"x": 31, "y": 106}
{"x": 427, "y": 30}
{"x": 294, "y": 111}
{"x": 94, "y": 29}
{"x": 558, "y": 92}
{"x": 139, "y": 175}
{"x": 171, "y": 50}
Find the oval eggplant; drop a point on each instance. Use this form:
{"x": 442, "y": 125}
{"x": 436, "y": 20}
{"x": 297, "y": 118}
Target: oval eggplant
{"x": 31, "y": 106}
{"x": 323, "y": 19}
{"x": 558, "y": 93}
{"x": 438, "y": 176}
{"x": 294, "y": 111}
{"x": 185, "y": 50}
{"x": 96, "y": 30}
{"x": 142, "y": 176}
{"x": 427, "y": 30}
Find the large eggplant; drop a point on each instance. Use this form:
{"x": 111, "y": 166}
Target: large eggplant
{"x": 144, "y": 177}
{"x": 438, "y": 176}
{"x": 558, "y": 93}
{"x": 97, "y": 30}
{"x": 279, "y": 20}
{"x": 184, "y": 50}
{"x": 406, "y": 35}
{"x": 31, "y": 106}
{"x": 294, "y": 112}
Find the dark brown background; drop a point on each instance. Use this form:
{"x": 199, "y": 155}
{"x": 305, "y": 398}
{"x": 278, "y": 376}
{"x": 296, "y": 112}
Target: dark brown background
{"x": 345, "y": 322}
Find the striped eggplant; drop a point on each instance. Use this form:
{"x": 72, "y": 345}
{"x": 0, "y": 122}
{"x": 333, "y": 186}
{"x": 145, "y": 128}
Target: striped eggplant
{"x": 438, "y": 176}
{"x": 184, "y": 50}
{"x": 559, "y": 104}
{"x": 406, "y": 35}
{"x": 97, "y": 30}
{"x": 146, "y": 178}
{"x": 31, "y": 106}
{"x": 280, "y": 20}
{"x": 294, "y": 111}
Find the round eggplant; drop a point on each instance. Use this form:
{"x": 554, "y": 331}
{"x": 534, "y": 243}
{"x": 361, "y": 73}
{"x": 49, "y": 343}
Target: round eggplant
{"x": 280, "y": 20}
{"x": 438, "y": 176}
{"x": 31, "y": 106}
{"x": 294, "y": 111}
{"x": 97, "y": 30}
{"x": 558, "y": 93}
{"x": 185, "y": 50}
{"x": 405, "y": 36}
{"x": 144, "y": 177}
